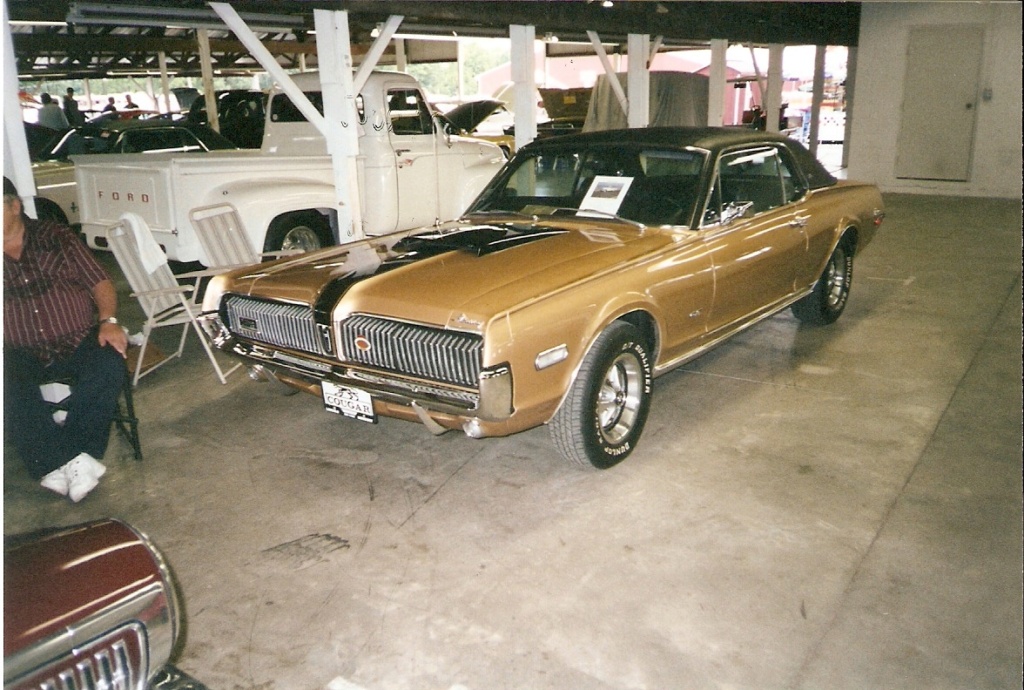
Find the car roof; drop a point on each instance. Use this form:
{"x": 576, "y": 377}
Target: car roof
{"x": 712, "y": 139}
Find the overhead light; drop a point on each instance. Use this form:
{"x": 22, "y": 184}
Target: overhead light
{"x": 33, "y": 22}
{"x": 193, "y": 18}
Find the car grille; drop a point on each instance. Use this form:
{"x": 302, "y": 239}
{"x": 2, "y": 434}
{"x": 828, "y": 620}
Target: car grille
{"x": 405, "y": 348}
{"x": 117, "y": 660}
{"x": 434, "y": 354}
{"x": 284, "y": 325}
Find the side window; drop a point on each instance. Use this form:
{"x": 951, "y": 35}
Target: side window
{"x": 408, "y": 112}
{"x": 752, "y": 176}
{"x": 793, "y": 184}
{"x": 283, "y": 110}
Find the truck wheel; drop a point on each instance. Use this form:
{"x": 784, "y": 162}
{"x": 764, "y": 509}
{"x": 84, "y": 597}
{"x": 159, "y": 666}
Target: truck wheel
{"x": 48, "y": 210}
{"x": 828, "y": 299}
{"x": 604, "y": 413}
{"x": 302, "y": 231}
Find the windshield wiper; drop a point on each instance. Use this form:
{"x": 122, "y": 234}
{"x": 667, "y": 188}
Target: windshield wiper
{"x": 501, "y": 212}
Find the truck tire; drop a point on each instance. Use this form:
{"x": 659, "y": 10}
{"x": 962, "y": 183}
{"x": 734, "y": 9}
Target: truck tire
{"x": 305, "y": 231}
{"x": 48, "y": 210}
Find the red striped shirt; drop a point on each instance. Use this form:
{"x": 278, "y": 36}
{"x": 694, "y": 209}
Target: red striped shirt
{"x": 48, "y": 301}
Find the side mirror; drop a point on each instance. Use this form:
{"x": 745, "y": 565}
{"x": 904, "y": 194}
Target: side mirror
{"x": 737, "y": 209}
{"x": 447, "y": 129}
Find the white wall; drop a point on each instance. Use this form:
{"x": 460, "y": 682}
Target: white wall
{"x": 881, "y": 63}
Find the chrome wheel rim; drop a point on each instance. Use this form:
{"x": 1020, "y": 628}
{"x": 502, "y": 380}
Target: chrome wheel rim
{"x": 619, "y": 398}
{"x": 302, "y": 238}
{"x": 837, "y": 279}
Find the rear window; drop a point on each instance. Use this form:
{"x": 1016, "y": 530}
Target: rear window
{"x": 283, "y": 110}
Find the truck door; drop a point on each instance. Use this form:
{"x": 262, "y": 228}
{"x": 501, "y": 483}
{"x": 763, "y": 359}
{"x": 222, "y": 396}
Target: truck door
{"x": 414, "y": 142}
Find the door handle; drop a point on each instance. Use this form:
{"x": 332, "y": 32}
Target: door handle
{"x": 399, "y": 152}
{"x": 799, "y": 221}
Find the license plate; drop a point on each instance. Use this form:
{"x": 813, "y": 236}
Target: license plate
{"x": 349, "y": 402}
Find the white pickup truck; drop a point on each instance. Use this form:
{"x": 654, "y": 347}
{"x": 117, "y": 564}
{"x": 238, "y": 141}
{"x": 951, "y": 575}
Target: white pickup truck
{"x": 411, "y": 173}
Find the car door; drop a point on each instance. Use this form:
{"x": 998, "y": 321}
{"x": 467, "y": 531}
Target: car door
{"x": 414, "y": 142}
{"x": 753, "y": 233}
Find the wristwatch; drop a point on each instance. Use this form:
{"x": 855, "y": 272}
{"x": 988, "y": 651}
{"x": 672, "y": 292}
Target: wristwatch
{"x": 109, "y": 319}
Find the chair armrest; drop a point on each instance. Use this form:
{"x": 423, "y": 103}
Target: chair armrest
{"x": 281, "y": 253}
{"x": 181, "y": 289}
{"x": 208, "y": 272}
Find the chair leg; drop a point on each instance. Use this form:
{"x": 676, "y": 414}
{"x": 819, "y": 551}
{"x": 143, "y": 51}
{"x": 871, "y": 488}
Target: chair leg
{"x": 126, "y": 421}
{"x": 222, "y": 375}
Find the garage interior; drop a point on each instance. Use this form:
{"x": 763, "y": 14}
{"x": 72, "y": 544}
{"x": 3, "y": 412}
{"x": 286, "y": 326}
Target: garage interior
{"x": 836, "y": 507}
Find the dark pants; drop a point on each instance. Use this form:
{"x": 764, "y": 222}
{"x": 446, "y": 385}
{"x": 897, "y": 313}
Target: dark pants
{"x": 97, "y": 373}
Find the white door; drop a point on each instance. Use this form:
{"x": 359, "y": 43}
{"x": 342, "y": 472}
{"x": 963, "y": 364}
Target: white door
{"x": 414, "y": 141}
{"x": 940, "y": 90}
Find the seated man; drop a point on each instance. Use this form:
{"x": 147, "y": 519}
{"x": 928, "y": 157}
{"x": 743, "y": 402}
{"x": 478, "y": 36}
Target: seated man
{"x": 59, "y": 307}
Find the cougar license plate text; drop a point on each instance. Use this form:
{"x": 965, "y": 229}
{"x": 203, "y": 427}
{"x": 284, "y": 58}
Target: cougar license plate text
{"x": 350, "y": 402}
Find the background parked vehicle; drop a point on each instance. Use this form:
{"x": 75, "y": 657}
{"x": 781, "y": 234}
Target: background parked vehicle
{"x": 54, "y": 172}
{"x": 411, "y": 172}
{"x": 241, "y": 115}
{"x": 90, "y": 606}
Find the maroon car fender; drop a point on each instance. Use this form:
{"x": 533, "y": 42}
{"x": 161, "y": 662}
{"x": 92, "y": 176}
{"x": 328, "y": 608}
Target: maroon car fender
{"x": 91, "y": 605}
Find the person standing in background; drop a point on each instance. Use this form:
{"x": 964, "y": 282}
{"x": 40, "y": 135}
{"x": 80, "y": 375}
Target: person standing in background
{"x": 50, "y": 115}
{"x": 73, "y": 115}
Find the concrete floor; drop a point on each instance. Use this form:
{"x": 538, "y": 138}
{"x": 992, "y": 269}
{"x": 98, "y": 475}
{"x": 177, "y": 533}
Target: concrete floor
{"x": 808, "y": 509}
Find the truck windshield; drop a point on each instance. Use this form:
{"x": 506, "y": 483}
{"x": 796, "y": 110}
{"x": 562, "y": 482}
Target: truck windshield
{"x": 649, "y": 186}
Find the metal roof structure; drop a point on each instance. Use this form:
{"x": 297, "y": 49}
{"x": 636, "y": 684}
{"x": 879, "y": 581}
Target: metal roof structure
{"x": 97, "y": 39}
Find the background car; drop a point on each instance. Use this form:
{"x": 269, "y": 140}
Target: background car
{"x": 489, "y": 120}
{"x": 54, "y": 171}
{"x": 241, "y": 115}
{"x": 90, "y": 606}
{"x": 589, "y": 264}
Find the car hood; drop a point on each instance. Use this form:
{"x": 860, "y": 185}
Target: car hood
{"x": 468, "y": 116}
{"x": 53, "y": 169}
{"x": 460, "y": 275}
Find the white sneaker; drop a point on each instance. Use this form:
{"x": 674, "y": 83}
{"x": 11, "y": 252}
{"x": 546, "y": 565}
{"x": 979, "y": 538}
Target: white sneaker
{"x": 97, "y": 468}
{"x": 56, "y": 481}
{"x": 81, "y": 476}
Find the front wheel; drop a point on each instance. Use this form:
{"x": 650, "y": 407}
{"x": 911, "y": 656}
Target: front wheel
{"x": 603, "y": 415}
{"x": 304, "y": 232}
{"x": 827, "y": 300}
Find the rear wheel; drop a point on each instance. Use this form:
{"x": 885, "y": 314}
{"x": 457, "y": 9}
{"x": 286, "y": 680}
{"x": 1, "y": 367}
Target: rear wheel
{"x": 303, "y": 231}
{"x": 48, "y": 210}
{"x": 603, "y": 415}
{"x": 827, "y": 300}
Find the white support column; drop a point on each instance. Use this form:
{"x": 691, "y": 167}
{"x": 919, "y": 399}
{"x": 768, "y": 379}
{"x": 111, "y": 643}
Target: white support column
{"x": 717, "y": 82}
{"x": 613, "y": 77}
{"x": 333, "y": 47}
{"x": 400, "y": 60}
{"x": 773, "y": 99}
{"x": 230, "y": 17}
{"x": 87, "y": 91}
{"x": 638, "y": 81}
{"x": 849, "y": 99}
{"x": 372, "y": 57}
{"x": 817, "y": 97}
{"x": 165, "y": 81}
{"x": 17, "y": 164}
{"x": 460, "y": 70}
{"x": 206, "y": 68}
{"x": 524, "y": 82}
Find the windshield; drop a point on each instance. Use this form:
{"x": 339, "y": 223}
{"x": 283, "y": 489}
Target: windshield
{"x": 649, "y": 186}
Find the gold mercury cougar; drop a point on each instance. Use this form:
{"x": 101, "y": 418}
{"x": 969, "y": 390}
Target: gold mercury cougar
{"x": 590, "y": 264}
